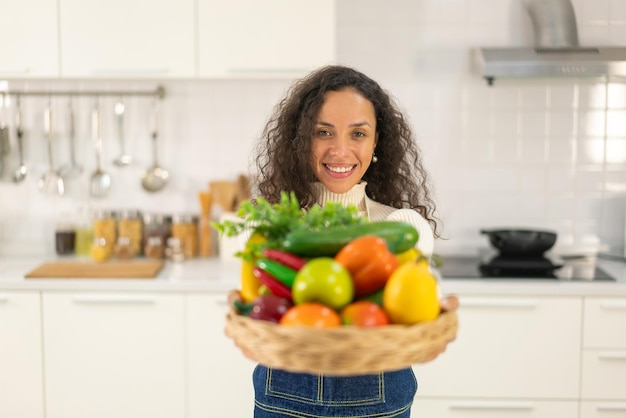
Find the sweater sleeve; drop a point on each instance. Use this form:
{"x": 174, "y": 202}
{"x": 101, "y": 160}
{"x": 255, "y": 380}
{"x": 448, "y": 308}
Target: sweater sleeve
{"x": 426, "y": 241}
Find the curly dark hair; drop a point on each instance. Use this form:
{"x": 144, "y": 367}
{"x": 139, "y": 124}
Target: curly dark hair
{"x": 283, "y": 154}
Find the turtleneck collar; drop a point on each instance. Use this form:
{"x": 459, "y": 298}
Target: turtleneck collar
{"x": 354, "y": 196}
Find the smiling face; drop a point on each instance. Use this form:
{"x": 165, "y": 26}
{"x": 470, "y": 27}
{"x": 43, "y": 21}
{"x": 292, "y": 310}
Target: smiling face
{"x": 344, "y": 139}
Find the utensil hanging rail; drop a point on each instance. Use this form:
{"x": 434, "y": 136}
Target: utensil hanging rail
{"x": 158, "y": 93}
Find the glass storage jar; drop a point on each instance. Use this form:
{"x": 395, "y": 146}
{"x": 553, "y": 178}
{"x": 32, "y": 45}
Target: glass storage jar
{"x": 129, "y": 227}
{"x": 185, "y": 228}
{"x": 84, "y": 233}
{"x": 104, "y": 227}
{"x": 157, "y": 228}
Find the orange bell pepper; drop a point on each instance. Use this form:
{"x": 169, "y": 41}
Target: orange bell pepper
{"x": 369, "y": 262}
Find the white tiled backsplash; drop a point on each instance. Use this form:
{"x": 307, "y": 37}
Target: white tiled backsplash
{"x": 522, "y": 153}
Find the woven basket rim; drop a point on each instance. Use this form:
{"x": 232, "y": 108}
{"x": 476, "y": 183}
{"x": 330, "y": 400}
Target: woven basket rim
{"x": 345, "y": 350}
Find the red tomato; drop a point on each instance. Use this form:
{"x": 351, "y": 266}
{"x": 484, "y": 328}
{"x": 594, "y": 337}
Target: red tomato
{"x": 364, "y": 314}
{"x": 311, "y": 314}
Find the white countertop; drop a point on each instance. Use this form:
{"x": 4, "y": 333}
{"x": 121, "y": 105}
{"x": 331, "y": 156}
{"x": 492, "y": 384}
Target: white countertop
{"x": 218, "y": 276}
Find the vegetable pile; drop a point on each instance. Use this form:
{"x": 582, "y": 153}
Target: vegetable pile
{"x": 328, "y": 267}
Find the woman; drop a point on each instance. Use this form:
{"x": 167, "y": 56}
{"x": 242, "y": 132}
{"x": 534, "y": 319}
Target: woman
{"x": 337, "y": 136}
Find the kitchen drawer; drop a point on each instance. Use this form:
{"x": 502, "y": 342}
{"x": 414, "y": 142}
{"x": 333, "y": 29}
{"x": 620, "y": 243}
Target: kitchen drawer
{"x": 509, "y": 347}
{"x": 463, "y": 408}
{"x": 604, "y": 323}
{"x": 604, "y": 374}
{"x": 603, "y": 410}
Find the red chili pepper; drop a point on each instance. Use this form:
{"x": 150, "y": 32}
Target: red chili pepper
{"x": 276, "y": 287}
{"x": 285, "y": 258}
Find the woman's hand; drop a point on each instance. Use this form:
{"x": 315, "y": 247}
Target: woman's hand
{"x": 447, "y": 304}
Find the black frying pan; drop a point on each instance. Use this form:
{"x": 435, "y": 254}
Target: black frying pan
{"x": 520, "y": 242}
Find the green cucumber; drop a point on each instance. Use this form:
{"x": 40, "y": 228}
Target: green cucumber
{"x": 400, "y": 236}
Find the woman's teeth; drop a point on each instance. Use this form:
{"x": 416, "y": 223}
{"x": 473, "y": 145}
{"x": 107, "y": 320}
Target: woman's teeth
{"x": 339, "y": 169}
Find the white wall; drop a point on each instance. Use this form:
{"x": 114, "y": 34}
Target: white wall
{"x": 533, "y": 153}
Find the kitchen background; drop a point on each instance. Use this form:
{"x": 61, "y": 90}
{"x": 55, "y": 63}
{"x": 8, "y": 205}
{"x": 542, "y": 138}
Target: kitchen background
{"x": 532, "y": 153}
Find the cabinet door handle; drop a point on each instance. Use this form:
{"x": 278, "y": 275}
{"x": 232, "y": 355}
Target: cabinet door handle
{"x": 132, "y": 71}
{"x": 14, "y": 70}
{"x": 613, "y": 305}
{"x": 499, "y": 303}
{"x": 123, "y": 299}
{"x": 612, "y": 407}
{"x": 277, "y": 70}
{"x": 612, "y": 356}
{"x": 491, "y": 406}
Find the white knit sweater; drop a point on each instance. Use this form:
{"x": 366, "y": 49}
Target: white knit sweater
{"x": 378, "y": 212}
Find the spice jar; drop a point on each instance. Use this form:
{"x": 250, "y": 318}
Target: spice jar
{"x": 157, "y": 228}
{"x": 104, "y": 227}
{"x": 174, "y": 250}
{"x": 129, "y": 227}
{"x": 123, "y": 248}
{"x": 65, "y": 238}
{"x": 185, "y": 228}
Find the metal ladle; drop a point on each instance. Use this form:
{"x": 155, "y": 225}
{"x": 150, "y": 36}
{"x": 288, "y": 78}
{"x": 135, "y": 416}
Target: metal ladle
{"x": 20, "y": 173}
{"x": 156, "y": 177}
{"x": 51, "y": 182}
{"x": 123, "y": 159}
{"x": 100, "y": 183}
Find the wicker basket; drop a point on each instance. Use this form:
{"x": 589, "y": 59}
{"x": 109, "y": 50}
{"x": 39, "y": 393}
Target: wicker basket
{"x": 343, "y": 350}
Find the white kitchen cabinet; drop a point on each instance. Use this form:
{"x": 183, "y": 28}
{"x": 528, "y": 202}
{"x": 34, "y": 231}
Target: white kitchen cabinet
{"x": 21, "y": 378}
{"x": 463, "y": 408}
{"x": 264, "y": 37}
{"x": 114, "y": 355}
{"x": 509, "y": 348}
{"x": 604, "y": 351}
{"x": 219, "y": 376}
{"x": 28, "y": 39}
{"x": 118, "y": 38}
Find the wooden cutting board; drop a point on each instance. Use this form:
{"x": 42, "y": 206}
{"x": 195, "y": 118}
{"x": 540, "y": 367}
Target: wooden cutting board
{"x": 112, "y": 269}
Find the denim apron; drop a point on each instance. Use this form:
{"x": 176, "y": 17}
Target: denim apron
{"x": 283, "y": 394}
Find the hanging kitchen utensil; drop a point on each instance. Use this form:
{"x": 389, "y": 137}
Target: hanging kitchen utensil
{"x": 100, "y": 183}
{"x": 155, "y": 178}
{"x": 51, "y": 182}
{"x": 5, "y": 145}
{"x": 72, "y": 169}
{"x": 20, "y": 173}
{"x": 4, "y": 135}
{"x": 123, "y": 159}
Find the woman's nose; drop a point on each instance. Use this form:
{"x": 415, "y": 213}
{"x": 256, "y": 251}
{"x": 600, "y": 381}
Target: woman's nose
{"x": 340, "y": 146}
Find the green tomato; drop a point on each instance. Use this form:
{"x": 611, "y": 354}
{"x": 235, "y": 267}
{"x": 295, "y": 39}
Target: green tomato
{"x": 325, "y": 281}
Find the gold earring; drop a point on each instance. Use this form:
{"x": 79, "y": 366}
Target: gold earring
{"x": 374, "y": 158}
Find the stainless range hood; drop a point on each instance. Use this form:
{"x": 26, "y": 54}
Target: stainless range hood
{"x": 556, "y": 53}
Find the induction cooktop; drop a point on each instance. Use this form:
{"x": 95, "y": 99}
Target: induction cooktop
{"x": 535, "y": 268}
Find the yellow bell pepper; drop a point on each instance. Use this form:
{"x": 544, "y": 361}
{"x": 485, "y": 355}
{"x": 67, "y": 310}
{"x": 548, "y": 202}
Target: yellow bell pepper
{"x": 249, "y": 286}
{"x": 409, "y": 255}
{"x": 410, "y": 295}
{"x": 249, "y": 283}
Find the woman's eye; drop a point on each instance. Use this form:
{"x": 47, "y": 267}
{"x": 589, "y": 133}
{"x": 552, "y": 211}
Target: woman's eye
{"x": 359, "y": 134}
{"x": 323, "y": 132}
